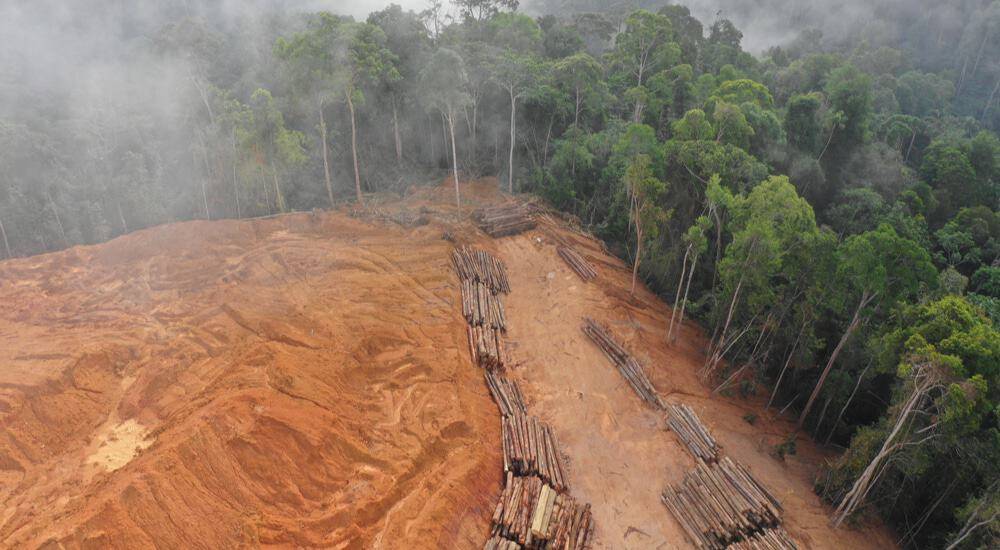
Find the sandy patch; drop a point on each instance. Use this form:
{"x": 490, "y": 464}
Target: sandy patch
{"x": 120, "y": 444}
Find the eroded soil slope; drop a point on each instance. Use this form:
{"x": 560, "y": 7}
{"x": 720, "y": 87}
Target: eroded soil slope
{"x": 296, "y": 381}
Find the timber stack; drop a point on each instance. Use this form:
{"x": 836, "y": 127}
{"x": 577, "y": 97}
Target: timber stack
{"x": 721, "y": 504}
{"x": 481, "y": 266}
{"x": 529, "y": 448}
{"x": 481, "y": 307}
{"x": 577, "y": 263}
{"x": 695, "y": 436}
{"x": 503, "y": 221}
{"x": 627, "y": 365}
{"x": 534, "y": 511}
{"x": 536, "y": 516}
{"x": 484, "y": 279}
{"x": 487, "y": 347}
{"x": 506, "y": 394}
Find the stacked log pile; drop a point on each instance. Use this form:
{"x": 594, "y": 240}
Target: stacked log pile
{"x": 695, "y": 436}
{"x": 481, "y": 307}
{"x": 502, "y": 221}
{"x": 627, "y": 365}
{"x": 768, "y": 539}
{"x": 480, "y": 266}
{"x": 487, "y": 347}
{"x": 529, "y": 448}
{"x": 577, "y": 263}
{"x": 534, "y": 511}
{"x": 721, "y": 504}
{"x": 506, "y": 394}
{"x": 483, "y": 278}
{"x": 536, "y": 516}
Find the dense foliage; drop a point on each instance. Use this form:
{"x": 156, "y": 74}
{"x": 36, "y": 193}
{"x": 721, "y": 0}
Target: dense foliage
{"x": 829, "y": 214}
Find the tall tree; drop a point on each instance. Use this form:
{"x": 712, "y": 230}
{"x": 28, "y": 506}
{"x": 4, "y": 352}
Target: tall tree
{"x": 370, "y": 63}
{"x": 877, "y": 267}
{"x": 442, "y": 83}
{"x": 645, "y": 192}
{"x": 642, "y": 50}
{"x": 483, "y": 10}
{"x": 516, "y": 74}
{"x": 578, "y": 75}
{"x": 317, "y": 69}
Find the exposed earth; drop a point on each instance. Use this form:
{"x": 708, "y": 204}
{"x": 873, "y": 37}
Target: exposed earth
{"x": 305, "y": 381}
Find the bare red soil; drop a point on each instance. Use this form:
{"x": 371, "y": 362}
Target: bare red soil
{"x": 304, "y": 381}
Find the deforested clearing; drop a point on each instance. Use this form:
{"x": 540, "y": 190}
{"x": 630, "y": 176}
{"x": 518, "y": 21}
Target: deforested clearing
{"x": 306, "y": 381}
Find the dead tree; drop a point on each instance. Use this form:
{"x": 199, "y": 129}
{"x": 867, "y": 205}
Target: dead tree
{"x": 925, "y": 378}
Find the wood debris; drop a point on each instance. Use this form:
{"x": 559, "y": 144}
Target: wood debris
{"x": 682, "y": 420}
{"x": 577, "y": 263}
{"x": 506, "y": 394}
{"x": 536, "y": 516}
{"x": 480, "y": 266}
{"x": 529, "y": 448}
{"x": 502, "y": 221}
{"x": 627, "y": 365}
{"x": 481, "y": 307}
{"x": 768, "y": 539}
{"x": 500, "y": 543}
{"x": 720, "y": 504}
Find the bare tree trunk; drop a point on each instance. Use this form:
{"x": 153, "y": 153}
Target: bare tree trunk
{"x": 55, "y": 211}
{"x": 280, "y": 198}
{"x": 913, "y": 138}
{"x": 788, "y": 361}
{"x": 822, "y": 415}
{"x": 846, "y": 405}
{"x": 548, "y": 136}
{"x": 354, "y": 147}
{"x": 969, "y": 527}
{"x": 262, "y": 179}
{"x": 865, "y": 299}
{"x": 923, "y": 382}
{"x": 121, "y": 216}
{"x": 204, "y": 194}
{"x": 6, "y": 243}
{"x": 326, "y": 154}
{"x": 576, "y": 112}
{"x": 714, "y": 211}
{"x": 236, "y": 186}
{"x": 715, "y": 357}
{"x": 395, "y": 132}
{"x": 828, "y": 141}
{"x": 208, "y": 171}
{"x": 454, "y": 164}
{"x": 687, "y": 289}
{"x": 677, "y": 297}
{"x": 989, "y": 102}
{"x": 430, "y": 132}
{"x": 637, "y": 113}
{"x": 638, "y": 253}
{"x": 513, "y": 137}
{"x": 204, "y": 95}
{"x": 474, "y": 130}
{"x": 979, "y": 56}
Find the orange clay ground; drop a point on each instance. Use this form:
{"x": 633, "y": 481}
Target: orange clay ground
{"x": 305, "y": 381}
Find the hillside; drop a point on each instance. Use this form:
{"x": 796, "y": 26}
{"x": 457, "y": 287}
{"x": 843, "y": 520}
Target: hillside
{"x": 304, "y": 381}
